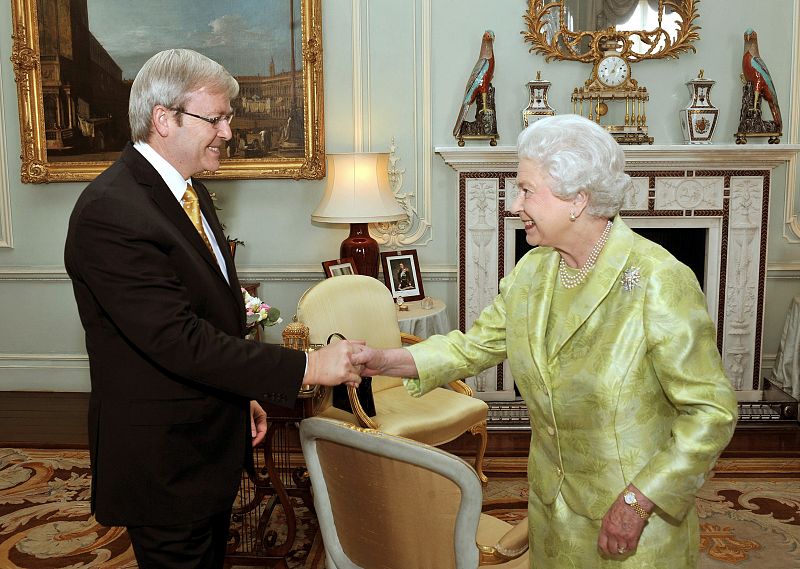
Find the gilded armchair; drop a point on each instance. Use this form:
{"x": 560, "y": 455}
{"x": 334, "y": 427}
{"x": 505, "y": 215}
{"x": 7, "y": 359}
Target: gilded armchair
{"x": 362, "y": 308}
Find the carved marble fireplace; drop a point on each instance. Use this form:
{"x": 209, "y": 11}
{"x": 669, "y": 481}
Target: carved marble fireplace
{"x": 721, "y": 190}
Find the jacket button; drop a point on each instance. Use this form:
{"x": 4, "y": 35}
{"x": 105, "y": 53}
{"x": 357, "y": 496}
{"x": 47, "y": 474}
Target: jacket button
{"x": 551, "y": 431}
{"x": 558, "y": 470}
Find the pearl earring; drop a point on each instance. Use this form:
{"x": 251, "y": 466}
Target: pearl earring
{"x": 572, "y": 215}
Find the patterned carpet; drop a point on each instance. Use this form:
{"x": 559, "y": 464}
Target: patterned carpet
{"x": 749, "y": 514}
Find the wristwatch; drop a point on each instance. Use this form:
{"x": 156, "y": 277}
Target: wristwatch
{"x": 630, "y": 499}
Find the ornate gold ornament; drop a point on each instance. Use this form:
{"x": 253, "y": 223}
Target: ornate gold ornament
{"x": 564, "y": 30}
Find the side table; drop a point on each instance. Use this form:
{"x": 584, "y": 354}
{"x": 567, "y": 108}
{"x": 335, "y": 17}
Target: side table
{"x": 279, "y": 479}
{"x": 424, "y": 322}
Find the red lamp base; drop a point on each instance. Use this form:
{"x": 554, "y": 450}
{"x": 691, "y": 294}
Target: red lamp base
{"x": 362, "y": 248}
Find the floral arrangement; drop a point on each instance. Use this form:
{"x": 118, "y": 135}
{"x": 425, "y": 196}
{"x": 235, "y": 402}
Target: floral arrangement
{"x": 259, "y": 312}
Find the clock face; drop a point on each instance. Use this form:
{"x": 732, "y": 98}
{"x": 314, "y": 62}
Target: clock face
{"x": 612, "y": 71}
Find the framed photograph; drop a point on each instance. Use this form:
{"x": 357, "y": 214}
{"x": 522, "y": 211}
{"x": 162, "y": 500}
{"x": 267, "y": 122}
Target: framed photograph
{"x": 336, "y": 267}
{"x": 402, "y": 275}
{"x": 74, "y": 64}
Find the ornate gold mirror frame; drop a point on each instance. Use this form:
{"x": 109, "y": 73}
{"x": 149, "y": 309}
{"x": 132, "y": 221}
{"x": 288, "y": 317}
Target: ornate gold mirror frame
{"x": 550, "y": 36}
{"x": 97, "y": 114}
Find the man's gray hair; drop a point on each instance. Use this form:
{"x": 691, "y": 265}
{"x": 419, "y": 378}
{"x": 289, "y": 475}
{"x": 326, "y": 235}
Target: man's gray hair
{"x": 168, "y": 78}
{"x": 579, "y": 155}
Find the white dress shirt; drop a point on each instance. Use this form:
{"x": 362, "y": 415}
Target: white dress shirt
{"x": 177, "y": 185}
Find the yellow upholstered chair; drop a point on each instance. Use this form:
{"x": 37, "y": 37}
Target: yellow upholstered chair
{"x": 362, "y": 308}
{"x": 390, "y": 502}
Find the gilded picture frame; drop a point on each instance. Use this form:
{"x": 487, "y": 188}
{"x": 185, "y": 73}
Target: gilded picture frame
{"x": 69, "y": 86}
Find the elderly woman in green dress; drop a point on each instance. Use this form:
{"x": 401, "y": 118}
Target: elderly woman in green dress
{"x": 612, "y": 348}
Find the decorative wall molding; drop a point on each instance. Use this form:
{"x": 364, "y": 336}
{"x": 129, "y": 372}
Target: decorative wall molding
{"x": 35, "y": 372}
{"x": 794, "y": 111}
{"x": 71, "y": 361}
{"x": 791, "y": 226}
{"x": 6, "y": 237}
{"x": 416, "y": 201}
{"x": 311, "y": 273}
{"x": 295, "y": 273}
{"x": 33, "y": 274}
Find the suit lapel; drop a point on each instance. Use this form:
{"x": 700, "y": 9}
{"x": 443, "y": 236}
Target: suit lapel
{"x": 148, "y": 177}
{"x": 602, "y": 280}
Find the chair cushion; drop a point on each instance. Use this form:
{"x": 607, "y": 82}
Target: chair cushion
{"x": 490, "y": 530}
{"x": 438, "y": 417}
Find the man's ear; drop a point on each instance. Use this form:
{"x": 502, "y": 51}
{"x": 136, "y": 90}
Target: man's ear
{"x": 160, "y": 119}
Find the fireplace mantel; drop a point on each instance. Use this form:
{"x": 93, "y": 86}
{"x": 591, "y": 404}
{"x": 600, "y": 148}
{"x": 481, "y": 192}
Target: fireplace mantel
{"x": 475, "y": 158}
{"x": 723, "y": 189}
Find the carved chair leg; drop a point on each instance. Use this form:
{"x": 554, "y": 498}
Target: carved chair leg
{"x": 480, "y": 430}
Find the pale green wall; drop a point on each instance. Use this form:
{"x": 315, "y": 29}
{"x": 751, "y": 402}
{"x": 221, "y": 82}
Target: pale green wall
{"x": 385, "y": 96}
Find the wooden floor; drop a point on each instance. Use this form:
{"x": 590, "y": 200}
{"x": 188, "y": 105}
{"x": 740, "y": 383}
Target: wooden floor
{"x": 58, "y": 420}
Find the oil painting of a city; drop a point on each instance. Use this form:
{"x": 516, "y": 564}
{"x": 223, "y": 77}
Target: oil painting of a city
{"x": 91, "y": 50}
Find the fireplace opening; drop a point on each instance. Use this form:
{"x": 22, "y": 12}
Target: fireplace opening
{"x": 687, "y": 244}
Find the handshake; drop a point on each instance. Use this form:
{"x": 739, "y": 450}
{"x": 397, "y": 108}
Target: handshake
{"x": 347, "y": 361}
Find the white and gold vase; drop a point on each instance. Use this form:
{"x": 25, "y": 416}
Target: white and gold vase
{"x": 699, "y": 118}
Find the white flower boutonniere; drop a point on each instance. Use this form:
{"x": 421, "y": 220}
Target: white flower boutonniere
{"x": 630, "y": 279}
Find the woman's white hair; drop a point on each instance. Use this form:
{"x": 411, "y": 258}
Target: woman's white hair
{"x": 579, "y": 155}
{"x": 168, "y": 78}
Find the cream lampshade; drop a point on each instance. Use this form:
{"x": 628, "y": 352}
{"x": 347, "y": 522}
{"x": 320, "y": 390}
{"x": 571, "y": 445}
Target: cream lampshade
{"x": 358, "y": 193}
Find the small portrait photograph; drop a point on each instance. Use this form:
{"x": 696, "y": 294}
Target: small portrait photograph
{"x": 401, "y": 274}
{"x": 337, "y": 267}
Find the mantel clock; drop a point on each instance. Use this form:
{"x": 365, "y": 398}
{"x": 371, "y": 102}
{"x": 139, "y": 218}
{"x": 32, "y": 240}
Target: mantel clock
{"x": 614, "y": 99}
{"x": 612, "y": 36}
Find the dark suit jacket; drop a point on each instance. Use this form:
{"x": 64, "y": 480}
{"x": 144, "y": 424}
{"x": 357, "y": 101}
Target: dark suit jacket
{"x": 171, "y": 375}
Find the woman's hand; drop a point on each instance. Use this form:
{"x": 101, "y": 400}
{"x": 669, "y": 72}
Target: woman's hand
{"x": 394, "y": 362}
{"x": 622, "y": 526}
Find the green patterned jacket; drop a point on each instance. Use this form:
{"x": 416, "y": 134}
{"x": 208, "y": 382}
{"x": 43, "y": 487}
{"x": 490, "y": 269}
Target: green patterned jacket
{"x": 634, "y": 393}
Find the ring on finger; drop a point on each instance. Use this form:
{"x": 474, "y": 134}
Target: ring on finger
{"x": 620, "y": 550}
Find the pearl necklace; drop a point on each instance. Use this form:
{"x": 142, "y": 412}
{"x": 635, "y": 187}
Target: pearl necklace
{"x": 571, "y": 281}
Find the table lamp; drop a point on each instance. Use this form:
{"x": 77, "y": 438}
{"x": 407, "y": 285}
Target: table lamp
{"x": 358, "y": 192}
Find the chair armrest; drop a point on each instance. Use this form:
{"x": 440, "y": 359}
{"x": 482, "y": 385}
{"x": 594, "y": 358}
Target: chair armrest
{"x": 409, "y": 339}
{"x": 458, "y": 385}
{"x": 511, "y": 546}
{"x": 364, "y": 420}
{"x": 461, "y": 387}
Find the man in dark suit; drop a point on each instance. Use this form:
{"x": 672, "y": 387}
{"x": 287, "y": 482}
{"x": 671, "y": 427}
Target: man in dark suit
{"x": 172, "y": 409}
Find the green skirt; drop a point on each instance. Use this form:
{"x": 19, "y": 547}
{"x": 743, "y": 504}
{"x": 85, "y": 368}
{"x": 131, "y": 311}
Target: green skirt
{"x": 561, "y": 539}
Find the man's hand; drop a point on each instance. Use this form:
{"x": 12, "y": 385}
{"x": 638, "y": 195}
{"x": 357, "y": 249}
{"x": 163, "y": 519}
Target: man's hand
{"x": 331, "y": 365}
{"x": 622, "y": 526}
{"x": 258, "y": 423}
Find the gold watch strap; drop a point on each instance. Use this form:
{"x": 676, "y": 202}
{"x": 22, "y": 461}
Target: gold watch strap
{"x": 639, "y": 510}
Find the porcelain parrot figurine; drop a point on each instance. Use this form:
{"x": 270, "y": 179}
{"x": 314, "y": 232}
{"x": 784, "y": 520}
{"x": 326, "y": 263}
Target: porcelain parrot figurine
{"x": 755, "y": 71}
{"x": 480, "y": 79}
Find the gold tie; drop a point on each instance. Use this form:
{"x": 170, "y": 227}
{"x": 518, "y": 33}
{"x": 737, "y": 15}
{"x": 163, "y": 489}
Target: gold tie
{"x": 192, "y": 208}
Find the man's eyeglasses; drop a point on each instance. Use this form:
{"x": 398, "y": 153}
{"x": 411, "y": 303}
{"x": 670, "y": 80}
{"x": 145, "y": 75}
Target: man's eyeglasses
{"x": 213, "y": 121}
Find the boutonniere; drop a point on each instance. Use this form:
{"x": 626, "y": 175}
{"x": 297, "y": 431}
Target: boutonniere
{"x": 630, "y": 279}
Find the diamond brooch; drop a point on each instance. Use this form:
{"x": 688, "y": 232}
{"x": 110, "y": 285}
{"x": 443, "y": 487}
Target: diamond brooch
{"x": 630, "y": 279}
